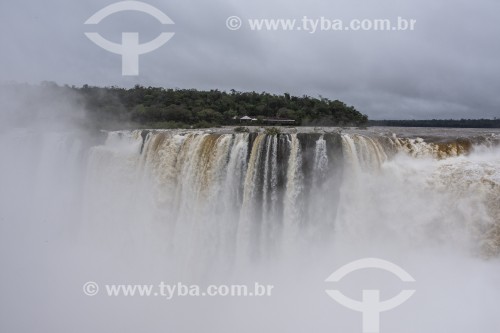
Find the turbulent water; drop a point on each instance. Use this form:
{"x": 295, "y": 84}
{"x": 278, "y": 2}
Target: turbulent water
{"x": 248, "y": 196}
{"x": 214, "y": 206}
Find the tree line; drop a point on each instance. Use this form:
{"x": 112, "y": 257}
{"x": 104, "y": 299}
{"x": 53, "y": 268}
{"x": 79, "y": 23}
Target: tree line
{"x": 183, "y": 108}
{"x": 456, "y": 123}
{"x": 156, "y": 107}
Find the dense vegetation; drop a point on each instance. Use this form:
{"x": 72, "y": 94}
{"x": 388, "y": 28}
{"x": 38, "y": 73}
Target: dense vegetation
{"x": 159, "y": 107}
{"x": 149, "y": 107}
{"x": 462, "y": 123}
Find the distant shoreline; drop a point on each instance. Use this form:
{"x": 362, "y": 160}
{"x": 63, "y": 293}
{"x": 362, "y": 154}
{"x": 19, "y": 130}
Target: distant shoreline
{"x": 439, "y": 123}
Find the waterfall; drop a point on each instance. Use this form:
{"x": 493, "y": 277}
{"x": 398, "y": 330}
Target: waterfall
{"x": 214, "y": 207}
{"x": 293, "y": 210}
{"x": 223, "y": 197}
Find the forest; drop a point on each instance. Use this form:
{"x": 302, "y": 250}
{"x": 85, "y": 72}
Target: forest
{"x": 155, "y": 107}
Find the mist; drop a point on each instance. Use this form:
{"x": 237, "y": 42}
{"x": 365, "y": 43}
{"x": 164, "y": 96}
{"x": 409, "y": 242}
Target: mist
{"x": 214, "y": 207}
{"x": 90, "y": 198}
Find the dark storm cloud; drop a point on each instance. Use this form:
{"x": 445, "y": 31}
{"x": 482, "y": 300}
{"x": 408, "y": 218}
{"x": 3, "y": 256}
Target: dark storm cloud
{"x": 447, "y": 68}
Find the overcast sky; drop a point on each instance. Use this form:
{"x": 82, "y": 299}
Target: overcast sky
{"x": 449, "y": 67}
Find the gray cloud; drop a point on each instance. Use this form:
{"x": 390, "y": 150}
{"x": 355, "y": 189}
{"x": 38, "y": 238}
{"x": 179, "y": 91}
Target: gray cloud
{"x": 447, "y": 68}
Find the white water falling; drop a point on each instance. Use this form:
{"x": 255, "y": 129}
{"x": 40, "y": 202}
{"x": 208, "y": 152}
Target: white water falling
{"x": 269, "y": 233}
{"x": 216, "y": 201}
{"x": 320, "y": 158}
{"x": 294, "y": 186}
{"x": 213, "y": 207}
{"x": 247, "y": 230}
